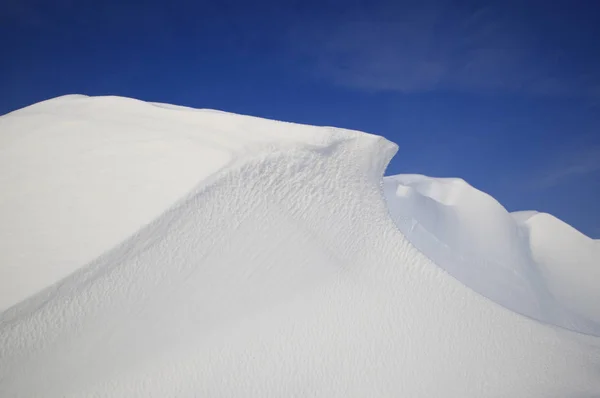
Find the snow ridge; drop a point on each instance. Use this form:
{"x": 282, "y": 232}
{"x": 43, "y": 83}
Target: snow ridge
{"x": 529, "y": 262}
{"x": 277, "y": 272}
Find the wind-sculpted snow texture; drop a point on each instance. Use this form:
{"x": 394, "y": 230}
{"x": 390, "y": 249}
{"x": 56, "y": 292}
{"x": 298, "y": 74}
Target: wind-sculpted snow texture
{"x": 175, "y": 252}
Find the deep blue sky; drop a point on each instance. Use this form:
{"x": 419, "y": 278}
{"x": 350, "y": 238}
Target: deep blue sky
{"x": 504, "y": 94}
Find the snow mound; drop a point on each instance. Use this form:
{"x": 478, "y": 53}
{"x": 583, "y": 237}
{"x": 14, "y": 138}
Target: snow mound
{"x": 179, "y": 252}
{"x": 82, "y": 174}
{"x": 529, "y": 262}
{"x": 569, "y": 263}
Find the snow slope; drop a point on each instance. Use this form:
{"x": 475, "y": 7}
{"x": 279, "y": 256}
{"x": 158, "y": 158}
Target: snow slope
{"x": 151, "y": 250}
{"x": 83, "y": 174}
{"x": 529, "y": 262}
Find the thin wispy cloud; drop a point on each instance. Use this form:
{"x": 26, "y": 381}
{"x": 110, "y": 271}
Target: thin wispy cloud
{"x": 389, "y": 45}
{"x": 583, "y": 162}
{"x": 444, "y": 45}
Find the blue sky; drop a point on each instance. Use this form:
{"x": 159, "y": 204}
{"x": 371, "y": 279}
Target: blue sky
{"x": 505, "y": 94}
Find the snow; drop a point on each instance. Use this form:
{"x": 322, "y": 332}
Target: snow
{"x": 154, "y": 250}
{"x": 529, "y": 262}
{"x": 86, "y": 173}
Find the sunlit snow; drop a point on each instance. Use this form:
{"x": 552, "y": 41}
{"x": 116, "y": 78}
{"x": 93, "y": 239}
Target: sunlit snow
{"x": 152, "y": 250}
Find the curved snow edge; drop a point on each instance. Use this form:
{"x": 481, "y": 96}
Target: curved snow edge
{"x": 366, "y": 157}
{"x": 85, "y": 173}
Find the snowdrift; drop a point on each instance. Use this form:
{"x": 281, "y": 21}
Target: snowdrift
{"x": 529, "y": 262}
{"x": 153, "y": 250}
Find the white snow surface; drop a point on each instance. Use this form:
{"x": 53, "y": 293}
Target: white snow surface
{"x": 529, "y": 262}
{"x": 160, "y": 251}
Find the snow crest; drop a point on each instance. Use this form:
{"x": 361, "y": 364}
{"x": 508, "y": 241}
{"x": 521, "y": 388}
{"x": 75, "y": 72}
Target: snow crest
{"x": 529, "y": 262}
{"x": 278, "y": 270}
